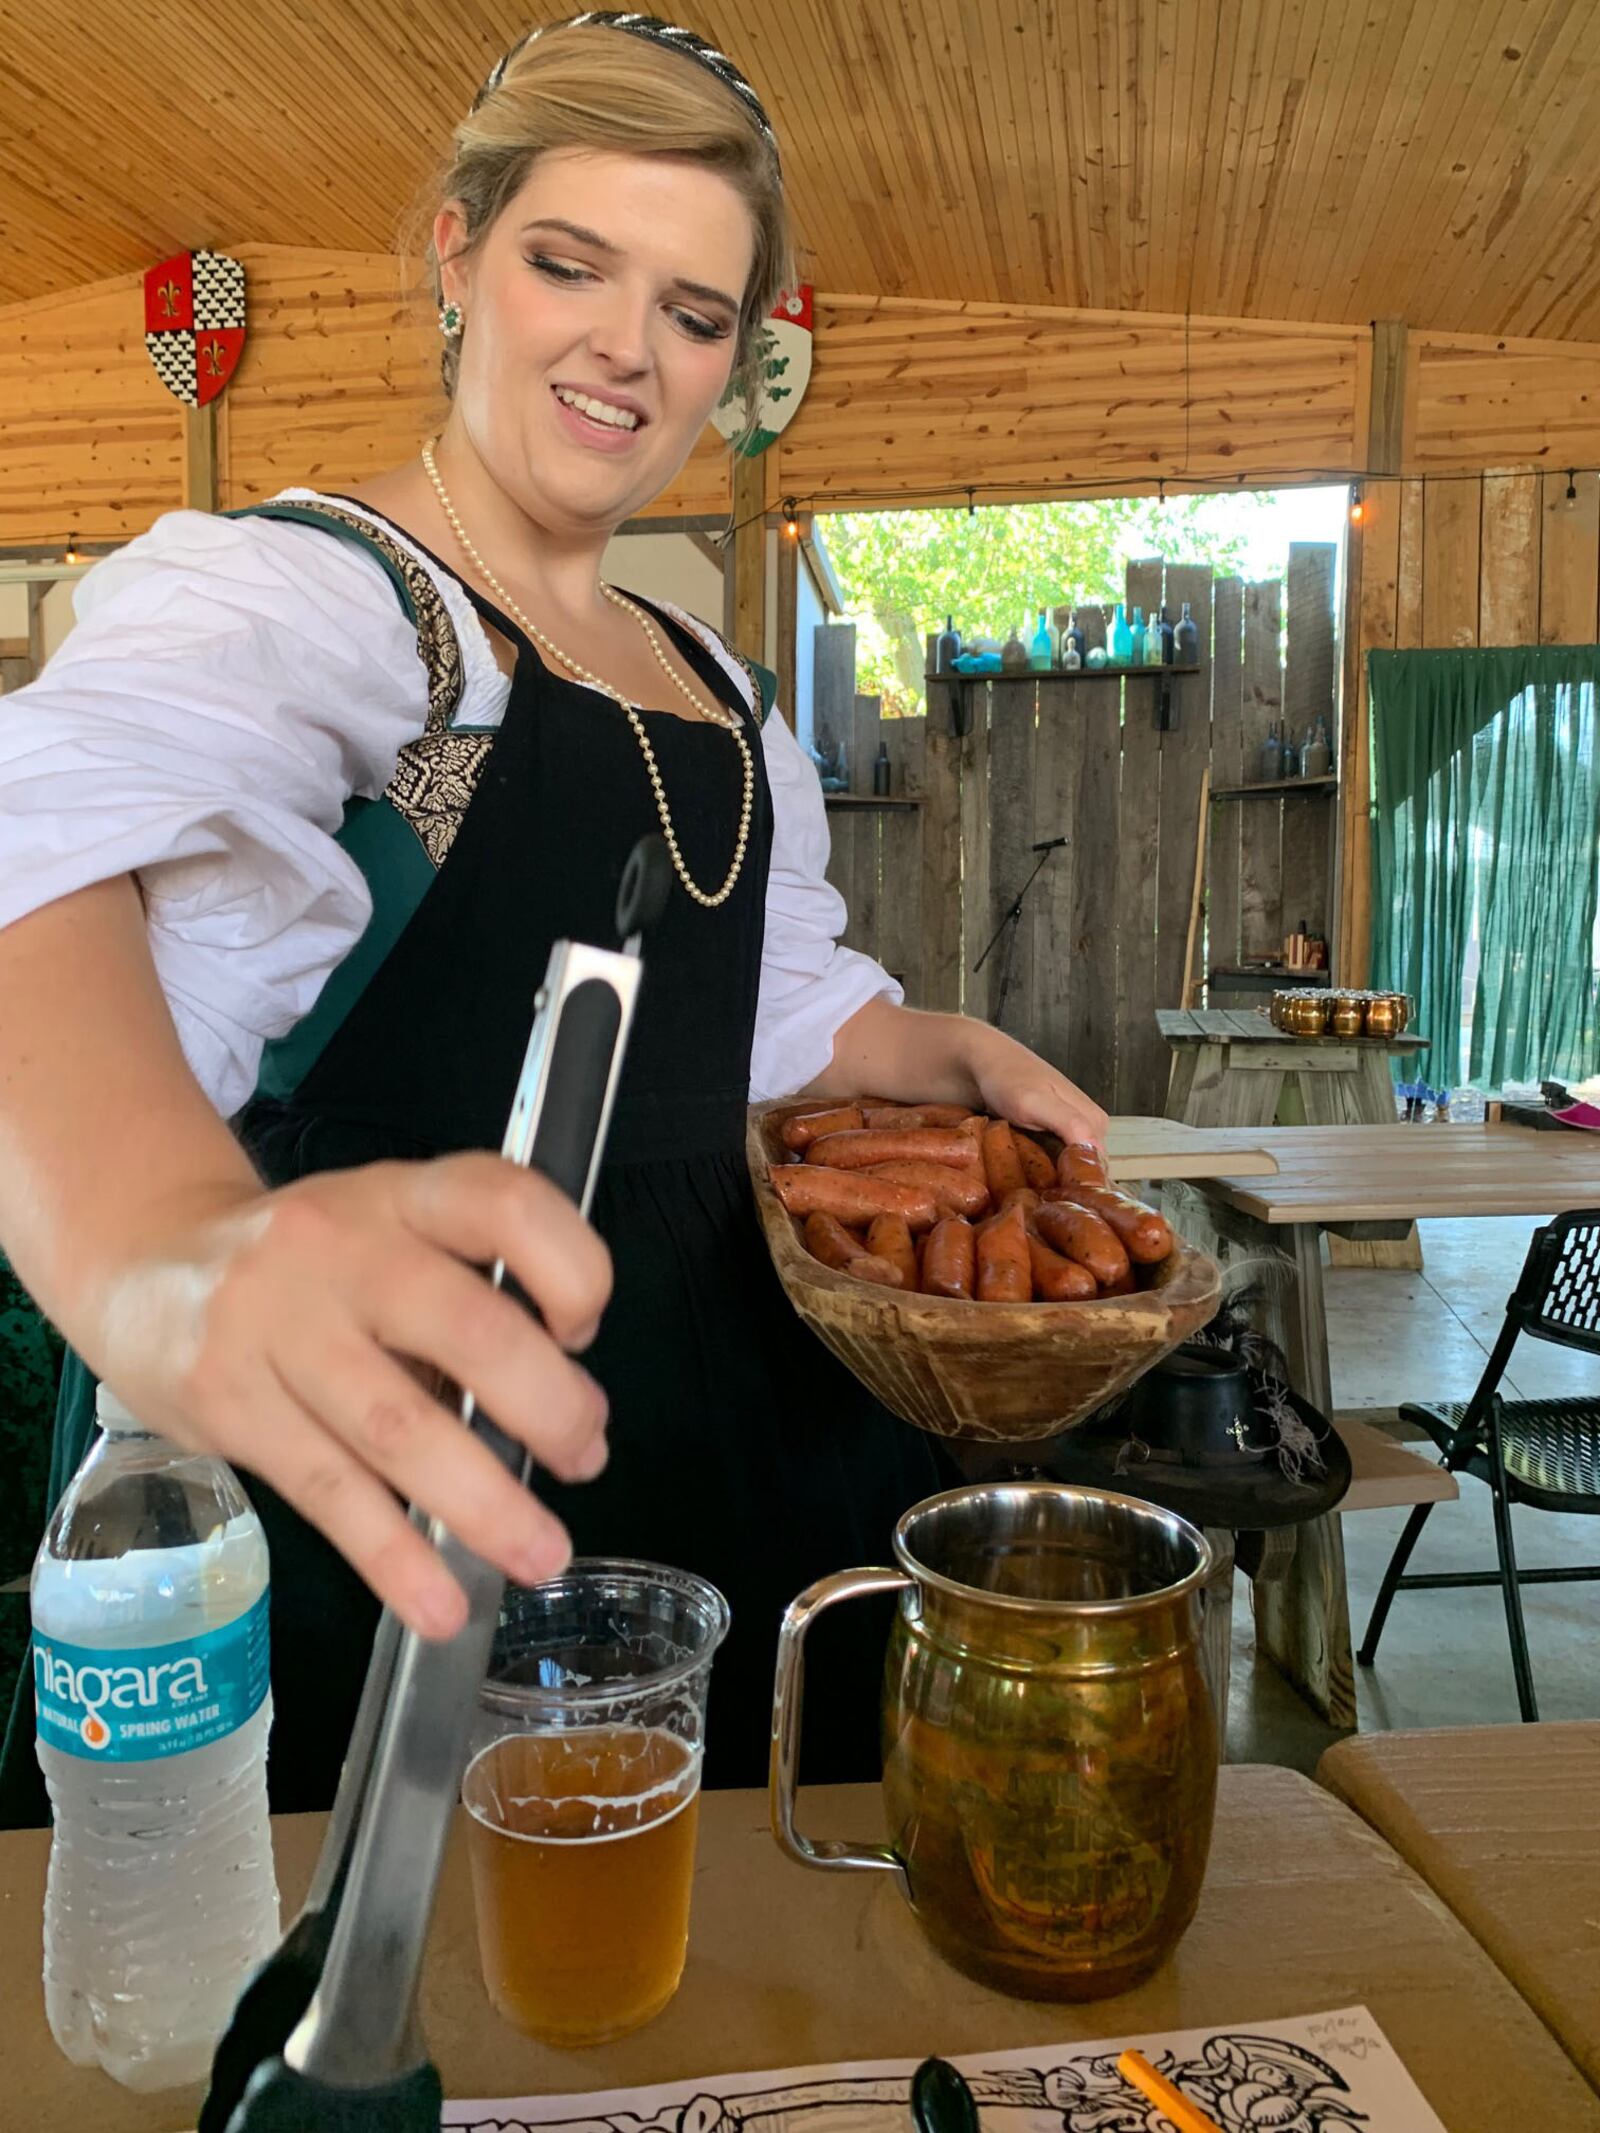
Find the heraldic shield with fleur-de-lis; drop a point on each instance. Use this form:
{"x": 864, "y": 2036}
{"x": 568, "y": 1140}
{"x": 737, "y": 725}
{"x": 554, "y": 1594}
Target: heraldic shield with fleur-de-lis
{"x": 194, "y": 323}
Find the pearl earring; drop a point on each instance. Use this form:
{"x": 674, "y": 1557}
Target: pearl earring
{"x": 451, "y": 321}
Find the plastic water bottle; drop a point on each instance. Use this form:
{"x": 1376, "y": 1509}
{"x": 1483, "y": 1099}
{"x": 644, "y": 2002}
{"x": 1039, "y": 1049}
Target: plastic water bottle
{"x": 150, "y": 1666}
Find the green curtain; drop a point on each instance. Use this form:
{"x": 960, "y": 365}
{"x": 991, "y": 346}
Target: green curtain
{"x": 1486, "y": 817}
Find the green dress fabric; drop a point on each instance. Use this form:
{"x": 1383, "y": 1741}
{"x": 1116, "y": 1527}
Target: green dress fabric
{"x": 30, "y": 1369}
{"x": 1486, "y": 828}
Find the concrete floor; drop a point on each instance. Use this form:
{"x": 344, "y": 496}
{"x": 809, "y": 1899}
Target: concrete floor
{"x": 1444, "y": 1660}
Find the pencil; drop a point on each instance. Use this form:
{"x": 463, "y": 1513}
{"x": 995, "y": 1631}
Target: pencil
{"x": 1185, "y": 2116}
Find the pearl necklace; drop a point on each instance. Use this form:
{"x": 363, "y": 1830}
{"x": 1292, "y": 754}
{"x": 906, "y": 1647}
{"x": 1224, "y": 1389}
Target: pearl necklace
{"x": 712, "y": 715}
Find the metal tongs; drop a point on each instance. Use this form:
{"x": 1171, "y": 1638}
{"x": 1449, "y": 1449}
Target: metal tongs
{"x": 325, "y": 2038}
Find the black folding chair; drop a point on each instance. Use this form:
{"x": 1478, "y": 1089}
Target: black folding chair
{"x": 1544, "y": 1453}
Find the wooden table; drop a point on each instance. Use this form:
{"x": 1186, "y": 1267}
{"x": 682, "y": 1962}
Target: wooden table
{"x": 1500, "y": 1822}
{"x": 1304, "y": 1910}
{"x": 1356, "y": 1181}
{"x": 1230, "y": 1067}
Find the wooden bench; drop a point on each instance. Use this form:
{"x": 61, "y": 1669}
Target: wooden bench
{"x": 1384, "y": 1475}
{"x": 1503, "y": 1823}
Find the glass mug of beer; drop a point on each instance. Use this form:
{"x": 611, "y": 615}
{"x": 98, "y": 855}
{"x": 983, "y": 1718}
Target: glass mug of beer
{"x": 582, "y": 1792}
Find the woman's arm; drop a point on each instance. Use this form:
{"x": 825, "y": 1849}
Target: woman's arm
{"x": 266, "y": 1325}
{"x": 913, "y": 1057}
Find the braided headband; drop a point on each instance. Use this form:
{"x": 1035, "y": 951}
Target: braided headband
{"x": 666, "y": 34}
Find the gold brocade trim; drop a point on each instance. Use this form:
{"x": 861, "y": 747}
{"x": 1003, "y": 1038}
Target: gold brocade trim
{"x": 436, "y": 775}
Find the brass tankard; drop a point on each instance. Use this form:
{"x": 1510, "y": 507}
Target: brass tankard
{"x": 1050, "y": 1748}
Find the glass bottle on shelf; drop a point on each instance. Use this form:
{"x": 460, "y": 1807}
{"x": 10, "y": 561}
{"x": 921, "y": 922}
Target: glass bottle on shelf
{"x": 1186, "y": 639}
{"x": 1072, "y": 646}
{"x": 1014, "y": 654}
{"x": 1121, "y": 647}
{"x": 1289, "y": 757}
{"x": 947, "y": 648}
{"x": 1139, "y": 634}
{"x": 1041, "y": 653}
{"x": 1316, "y": 757}
{"x": 1155, "y": 652}
{"x": 881, "y": 770}
{"x": 1167, "y": 651}
{"x": 1270, "y": 764}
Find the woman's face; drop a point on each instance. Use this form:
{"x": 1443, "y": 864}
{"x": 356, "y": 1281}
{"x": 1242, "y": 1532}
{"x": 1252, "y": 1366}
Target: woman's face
{"x": 602, "y": 313}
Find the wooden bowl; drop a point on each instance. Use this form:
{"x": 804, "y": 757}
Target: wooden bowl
{"x": 992, "y": 1373}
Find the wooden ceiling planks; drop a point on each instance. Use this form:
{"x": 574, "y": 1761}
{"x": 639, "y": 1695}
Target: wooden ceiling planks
{"x": 1327, "y": 160}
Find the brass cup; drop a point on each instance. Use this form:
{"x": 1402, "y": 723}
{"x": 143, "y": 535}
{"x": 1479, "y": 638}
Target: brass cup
{"x": 1402, "y": 1005}
{"x": 1278, "y": 1011}
{"x": 1348, "y": 1016}
{"x": 1308, "y": 1015}
{"x": 1383, "y": 1019}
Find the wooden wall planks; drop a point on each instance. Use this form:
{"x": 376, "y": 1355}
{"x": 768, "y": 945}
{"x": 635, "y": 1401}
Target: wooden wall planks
{"x": 1100, "y": 945}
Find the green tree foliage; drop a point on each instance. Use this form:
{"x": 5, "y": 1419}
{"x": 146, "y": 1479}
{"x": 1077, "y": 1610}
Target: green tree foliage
{"x": 902, "y": 572}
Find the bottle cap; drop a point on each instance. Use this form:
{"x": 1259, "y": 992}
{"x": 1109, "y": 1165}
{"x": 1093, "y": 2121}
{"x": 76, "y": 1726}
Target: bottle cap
{"x": 111, "y": 1414}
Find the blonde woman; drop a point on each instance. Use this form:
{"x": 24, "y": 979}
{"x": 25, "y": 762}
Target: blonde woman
{"x": 261, "y": 863}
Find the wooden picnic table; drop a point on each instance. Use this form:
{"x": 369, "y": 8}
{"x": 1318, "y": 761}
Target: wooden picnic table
{"x": 1361, "y": 1182}
{"x": 1230, "y": 1067}
{"x": 1303, "y": 1911}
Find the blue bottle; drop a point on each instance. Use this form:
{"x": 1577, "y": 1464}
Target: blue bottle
{"x": 1186, "y": 639}
{"x": 1042, "y": 651}
{"x": 1121, "y": 648}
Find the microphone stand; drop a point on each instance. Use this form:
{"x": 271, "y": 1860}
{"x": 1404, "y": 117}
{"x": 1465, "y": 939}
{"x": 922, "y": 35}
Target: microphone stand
{"x": 1008, "y": 927}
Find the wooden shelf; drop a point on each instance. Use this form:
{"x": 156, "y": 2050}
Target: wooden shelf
{"x": 1273, "y": 974}
{"x": 1080, "y": 674}
{"x": 1275, "y": 785}
{"x": 859, "y": 802}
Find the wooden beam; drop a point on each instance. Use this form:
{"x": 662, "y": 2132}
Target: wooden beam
{"x": 200, "y": 488}
{"x": 708, "y": 548}
{"x": 786, "y": 657}
{"x": 1386, "y": 414}
{"x": 751, "y": 478}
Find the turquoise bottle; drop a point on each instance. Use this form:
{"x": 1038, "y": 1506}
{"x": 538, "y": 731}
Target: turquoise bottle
{"x": 1041, "y": 653}
{"x": 1121, "y": 639}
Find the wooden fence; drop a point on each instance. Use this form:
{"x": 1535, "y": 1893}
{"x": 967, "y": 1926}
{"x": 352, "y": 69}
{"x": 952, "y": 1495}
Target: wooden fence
{"x": 1116, "y": 765}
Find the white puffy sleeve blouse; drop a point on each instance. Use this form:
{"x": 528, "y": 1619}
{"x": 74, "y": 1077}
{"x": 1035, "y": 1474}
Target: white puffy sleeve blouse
{"x": 228, "y": 686}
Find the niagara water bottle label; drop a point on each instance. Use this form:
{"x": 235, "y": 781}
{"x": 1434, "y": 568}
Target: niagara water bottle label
{"x": 129, "y": 1706}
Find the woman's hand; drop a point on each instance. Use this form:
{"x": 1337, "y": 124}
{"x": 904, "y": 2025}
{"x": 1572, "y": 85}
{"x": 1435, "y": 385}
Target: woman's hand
{"x": 911, "y": 1056}
{"x": 270, "y": 1327}
{"x": 1018, "y": 1085}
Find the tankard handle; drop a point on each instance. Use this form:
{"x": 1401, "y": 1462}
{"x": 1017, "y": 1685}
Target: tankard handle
{"x": 788, "y": 1702}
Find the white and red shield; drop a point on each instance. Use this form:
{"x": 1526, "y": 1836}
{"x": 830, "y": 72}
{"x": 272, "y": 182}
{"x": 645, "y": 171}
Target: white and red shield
{"x": 194, "y": 323}
{"x": 783, "y": 363}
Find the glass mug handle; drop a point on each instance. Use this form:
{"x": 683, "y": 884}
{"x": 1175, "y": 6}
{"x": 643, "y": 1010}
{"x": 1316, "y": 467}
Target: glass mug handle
{"x": 788, "y": 1703}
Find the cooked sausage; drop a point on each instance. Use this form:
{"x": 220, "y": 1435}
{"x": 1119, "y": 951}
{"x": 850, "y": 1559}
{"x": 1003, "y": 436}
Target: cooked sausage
{"x": 955, "y": 1192}
{"x": 1057, "y": 1279}
{"x": 801, "y": 1130}
{"x": 976, "y": 1127}
{"x": 1005, "y": 1272}
{"x": 1125, "y": 1287}
{"x": 1078, "y": 1234}
{"x": 888, "y": 1237}
{"x": 1037, "y": 1168}
{"x": 860, "y": 1150}
{"x": 1024, "y": 1197}
{"x": 1080, "y": 1162}
{"x": 905, "y": 1118}
{"x": 1146, "y": 1237}
{"x": 949, "y": 1259}
{"x": 829, "y": 1241}
{"x": 851, "y": 1197}
{"x": 1002, "y": 1165}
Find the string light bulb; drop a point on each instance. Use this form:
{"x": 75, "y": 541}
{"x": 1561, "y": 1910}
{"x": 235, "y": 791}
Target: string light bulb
{"x": 972, "y": 509}
{"x": 1358, "y": 509}
{"x": 791, "y": 517}
{"x": 72, "y": 555}
{"x": 1572, "y": 489}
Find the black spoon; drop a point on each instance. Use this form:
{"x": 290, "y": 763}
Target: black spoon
{"x": 941, "y": 2101}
